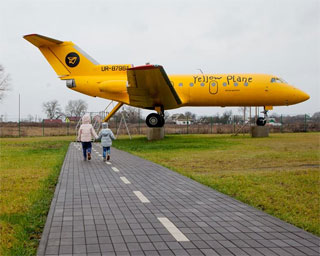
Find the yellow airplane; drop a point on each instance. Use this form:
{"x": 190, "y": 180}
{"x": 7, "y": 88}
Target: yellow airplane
{"x": 149, "y": 86}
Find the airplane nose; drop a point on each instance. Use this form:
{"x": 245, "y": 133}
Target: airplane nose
{"x": 302, "y": 96}
{"x": 299, "y": 96}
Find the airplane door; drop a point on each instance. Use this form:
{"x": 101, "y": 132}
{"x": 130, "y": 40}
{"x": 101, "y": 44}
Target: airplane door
{"x": 213, "y": 87}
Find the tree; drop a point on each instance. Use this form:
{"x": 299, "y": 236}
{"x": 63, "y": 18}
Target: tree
{"x": 316, "y": 116}
{"x": 190, "y": 115}
{"x": 52, "y": 109}
{"x": 76, "y": 108}
{"x": 30, "y": 118}
{"x": 4, "y": 82}
{"x": 131, "y": 114}
{"x": 226, "y": 117}
{"x": 166, "y": 115}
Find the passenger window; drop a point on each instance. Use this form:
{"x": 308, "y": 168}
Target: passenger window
{"x": 202, "y": 84}
{"x": 246, "y": 84}
{"x": 191, "y": 84}
{"x": 224, "y": 84}
{"x": 235, "y": 84}
{"x": 180, "y": 84}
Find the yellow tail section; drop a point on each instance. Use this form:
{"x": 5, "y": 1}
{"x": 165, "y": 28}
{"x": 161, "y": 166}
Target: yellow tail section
{"x": 66, "y": 58}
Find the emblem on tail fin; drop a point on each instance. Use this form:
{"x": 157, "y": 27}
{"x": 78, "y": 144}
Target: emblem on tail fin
{"x": 72, "y": 59}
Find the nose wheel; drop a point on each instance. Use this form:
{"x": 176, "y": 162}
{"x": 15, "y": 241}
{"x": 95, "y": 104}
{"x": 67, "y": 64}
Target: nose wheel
{"x": 261, "y": 121}
{"x": 155, "y": 120}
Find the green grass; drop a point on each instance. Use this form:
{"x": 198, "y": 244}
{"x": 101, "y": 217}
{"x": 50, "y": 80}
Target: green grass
{"x": 28, "y": 175}
{"x": 279, "y": 174}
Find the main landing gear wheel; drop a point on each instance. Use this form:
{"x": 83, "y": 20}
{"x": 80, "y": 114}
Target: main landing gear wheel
{"x": 155, "y": 120}
{"x": 261, "y": 121}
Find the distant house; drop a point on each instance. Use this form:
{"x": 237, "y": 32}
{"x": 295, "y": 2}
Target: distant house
{"x": 175, "y": 116}
{"x": 52, "y": 121}
{"x": 181, "y": 119}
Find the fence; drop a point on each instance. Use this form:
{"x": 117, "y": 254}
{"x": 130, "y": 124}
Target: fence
{"x": 23, "y": 129}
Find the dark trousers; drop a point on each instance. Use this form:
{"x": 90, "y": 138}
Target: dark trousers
{"x": 105, "y": 151}
{"x": 86, "y": 147}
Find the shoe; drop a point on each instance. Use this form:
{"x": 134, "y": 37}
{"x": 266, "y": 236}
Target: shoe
{"x": 108, "y": 157}
{"x": 84, "y": 159}
{"x": 104, "y": 159}
{"x": 89, "y": 156}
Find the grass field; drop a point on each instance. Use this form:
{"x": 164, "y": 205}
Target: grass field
{"x": 28, "y": 174}
{"x": 279, "y": 174}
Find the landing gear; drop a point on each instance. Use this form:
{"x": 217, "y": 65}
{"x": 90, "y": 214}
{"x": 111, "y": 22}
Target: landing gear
{"x": 261, "y": 121}
{"x": 155, "y": 119}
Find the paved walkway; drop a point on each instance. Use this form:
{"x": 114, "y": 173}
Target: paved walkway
{"x": 135, "y": 207}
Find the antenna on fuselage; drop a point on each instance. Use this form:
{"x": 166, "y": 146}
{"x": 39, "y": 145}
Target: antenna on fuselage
{"x": 200, "y": 70}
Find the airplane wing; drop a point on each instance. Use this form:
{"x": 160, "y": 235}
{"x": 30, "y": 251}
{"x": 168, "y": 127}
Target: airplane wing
{"x": 149, "y": 86}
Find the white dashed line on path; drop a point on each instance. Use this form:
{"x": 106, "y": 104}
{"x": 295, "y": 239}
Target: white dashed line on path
{"x": 108, "y": 163}
{"x": 115, "y": 169}
{"x": 125, "y": 180}
{"x": 174, "y": 231}
{"x": 142, "y": 198}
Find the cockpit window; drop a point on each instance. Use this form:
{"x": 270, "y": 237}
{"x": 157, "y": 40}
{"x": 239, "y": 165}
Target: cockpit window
{"x": 278, "y": 80}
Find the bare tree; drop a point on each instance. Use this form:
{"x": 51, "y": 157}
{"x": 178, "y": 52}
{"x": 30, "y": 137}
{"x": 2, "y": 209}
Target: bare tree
{"x": 131, "y": 114}
{"x": 190, "y": 115}
{"x": 52, "y": 109}
{"x": 226, "y": 117}
{"x": 76, "y": 108}
{"x": 166, "y": 115}
{"x": 30, "y": 118}
{"x": 4, "y": 82}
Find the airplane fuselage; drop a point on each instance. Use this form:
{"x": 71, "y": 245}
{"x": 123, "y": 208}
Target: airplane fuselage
{"x": 202, "y": 89}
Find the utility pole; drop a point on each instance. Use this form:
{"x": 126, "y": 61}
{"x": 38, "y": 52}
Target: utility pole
{"x": 305, "y": 122}
{"x": 19, "y": 117}
{"x": 139, "y": 121}
{"x": 187, "y": 124}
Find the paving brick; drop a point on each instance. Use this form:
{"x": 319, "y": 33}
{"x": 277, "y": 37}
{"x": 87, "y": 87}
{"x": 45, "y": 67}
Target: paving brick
{"x": 94, "y": 212}
{"x": 77, "y": 249}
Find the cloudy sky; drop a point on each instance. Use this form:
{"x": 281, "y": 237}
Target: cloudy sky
{"x": 279, "y": 37}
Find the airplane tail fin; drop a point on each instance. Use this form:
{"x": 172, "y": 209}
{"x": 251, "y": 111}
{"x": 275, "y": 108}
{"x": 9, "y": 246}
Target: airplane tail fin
{"x": 65, "y": 57}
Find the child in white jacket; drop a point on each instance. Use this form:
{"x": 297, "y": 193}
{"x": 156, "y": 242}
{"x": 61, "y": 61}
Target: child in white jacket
{"x": 85, "y": 135}
{"x": 106, "y": 136}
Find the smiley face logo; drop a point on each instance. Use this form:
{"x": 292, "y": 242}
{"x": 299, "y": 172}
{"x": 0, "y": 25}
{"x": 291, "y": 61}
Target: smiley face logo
{"x": 72, "y": 59}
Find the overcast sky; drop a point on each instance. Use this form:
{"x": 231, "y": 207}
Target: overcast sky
{"x": 279, "y": 37}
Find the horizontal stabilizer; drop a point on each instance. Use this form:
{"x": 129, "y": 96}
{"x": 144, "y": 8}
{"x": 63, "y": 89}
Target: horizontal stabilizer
{"x": 41, "y": 41}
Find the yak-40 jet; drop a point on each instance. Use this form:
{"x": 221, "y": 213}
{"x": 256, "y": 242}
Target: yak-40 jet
{"x": 150, "y": 87}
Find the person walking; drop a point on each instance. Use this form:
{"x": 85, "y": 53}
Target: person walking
{"x": 86, "y": 134}
{"x": 106, "y": 136}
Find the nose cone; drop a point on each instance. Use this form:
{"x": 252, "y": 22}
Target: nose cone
{"x": 301, "y": 96}
{"x": 294, "y": 95}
